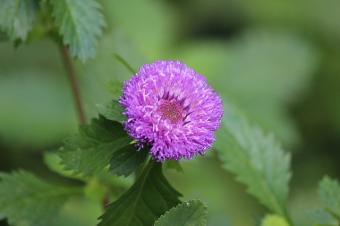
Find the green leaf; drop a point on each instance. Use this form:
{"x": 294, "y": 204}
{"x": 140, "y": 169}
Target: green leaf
{"x": 27, "y": 200}
{"x": 257, "y": 160}
{"x": 323, "y": 218}
{"x": 274, "y": 220}
{"x": 17, "y": 17}
{"x": 91, "y": 150}
{"x": 113, "y": 111}
{"x": 125, "y": 160}
{"x": 329, "y": 192}
{"x": 150, "y": 197}
{"x": 81, "y": 24}
{"x": 98, "y": 145}
{"x": 191, "y": 213}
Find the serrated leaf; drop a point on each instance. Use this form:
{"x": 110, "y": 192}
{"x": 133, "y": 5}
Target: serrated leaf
{"x": 17, "y": 17}
{"x": 329, "y": 192}
{"x": 191, "y": 213}
{"x": 81, "y": 24}
{"x": 323, "y": 218}
{"x": 27, "y": 200}
{"x": 91, "y": 150}
{"x": 113, "y": 111}
{"x": 125, "y": 160}
{"x": 257, "y": 160}
{"x": 150, "y": 197}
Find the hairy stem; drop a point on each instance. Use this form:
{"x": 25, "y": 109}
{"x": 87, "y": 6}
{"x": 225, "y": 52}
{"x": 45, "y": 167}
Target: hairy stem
{"x": 70, "y": 71}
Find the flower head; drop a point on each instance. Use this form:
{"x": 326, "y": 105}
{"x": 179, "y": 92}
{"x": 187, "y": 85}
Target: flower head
{"x": 171, "y": 108}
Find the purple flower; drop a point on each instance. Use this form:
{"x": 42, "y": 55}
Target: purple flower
{"x": 171, "y": 108}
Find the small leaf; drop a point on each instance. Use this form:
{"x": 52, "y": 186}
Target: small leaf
{"x": 126, "y": 160}
{"x": 27, "y": 200}
{"x": 329, "y": 192}
{"x": 150, "y": 197}
{"x": 17, "y": 17}
{"x": 257, "y": 160}
{"x": 113, "y": 111}
{"x": 274, "y": 220}
{"x": 323, "y": 218}
{"x": 81, "y": 24}
{"x": 191, "y": 213}
{"x": 91, "y": 150}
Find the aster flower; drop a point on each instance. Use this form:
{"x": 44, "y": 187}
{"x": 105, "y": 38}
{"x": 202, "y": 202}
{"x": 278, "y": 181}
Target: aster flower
{"x": 171, "y": 108}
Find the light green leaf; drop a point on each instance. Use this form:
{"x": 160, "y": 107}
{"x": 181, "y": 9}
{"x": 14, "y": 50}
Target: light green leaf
{"x": 257, "y": 160}
{"x": 274, "y": 220}
{"x": 17, "y": 17}
{"x": 90, "y": 151}
{"x": 329, "y": 191}
{"x": 27, "y": 200}
{"x": 191, "y": 213}
{"x": 81, "y": 24}
{"x": 323, "y": 218}
{"x": 150, "y": 197}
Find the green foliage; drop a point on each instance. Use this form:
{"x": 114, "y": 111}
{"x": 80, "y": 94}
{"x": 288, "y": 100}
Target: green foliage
{"x": 91, "y": 150}
{"x": 127, "y": 159}
{"x": 257, "y": 160}
{"x": 274, "y": 220}
{"x": 191, "y": 213}
{"x": 25, "y": 199}
{"x": 329, "y": 191}
{"x": 81, "y": 24}
{"x": 113, "y": 111}
{"x": 144, "y": 202}
{"x": 321, "y": 217}
{"x": 17, "y": 17}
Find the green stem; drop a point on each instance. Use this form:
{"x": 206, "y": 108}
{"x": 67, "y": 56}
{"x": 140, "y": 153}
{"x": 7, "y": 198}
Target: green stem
{"x": 125, "y": 63}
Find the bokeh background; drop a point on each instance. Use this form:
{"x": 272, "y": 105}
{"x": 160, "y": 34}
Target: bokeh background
{"x": 278, "y": 60}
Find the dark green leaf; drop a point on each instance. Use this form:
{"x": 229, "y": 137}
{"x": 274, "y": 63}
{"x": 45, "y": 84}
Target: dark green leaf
{"x": 257, "y": 160}
{"x": 91, "y": 150}
{"x": 81, "y": 24}
{"x": 27, "y": 200}
{"x": 191, "y": 213}
{"x": 17, "y": 17}
{"x": 150, "y": 197}
{"x": 126, "y": 160}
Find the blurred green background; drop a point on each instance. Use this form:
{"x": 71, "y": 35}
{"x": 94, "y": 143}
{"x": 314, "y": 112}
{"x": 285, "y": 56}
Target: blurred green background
{"x": 278, "y": 60}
